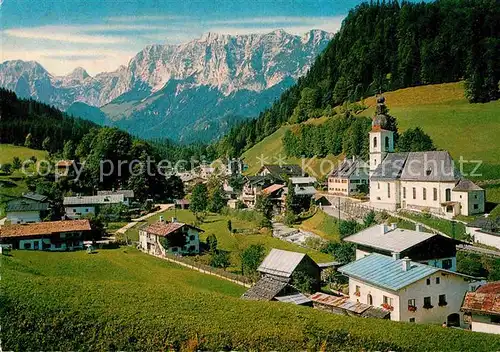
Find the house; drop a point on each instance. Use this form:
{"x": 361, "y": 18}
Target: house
{"x": 78, "y": 206}
{"x": 304, "y": 186}
{"x": 410, "y": 291}
{"x": 252, "y": 187}
{"x": 128, "y": 195}
{"x": 181, "y": 238}
{"x": 482, "y": 308}
{"x": 182, "y": 203}
{"x": 418, "y": 181}
{"x": 29, "y": 208}
{"x": 342, "y": 305}
{"x": 50, "y": 235}
{"x": 64, "y": 168}
{"x": 485, "y": 231}
{"x": 281, "y": 172}
{"x": 277, "y": 277}
{"x": 276, "y": 193}
{"x": 423, "y": 247}
{"x": 350, "y": 177}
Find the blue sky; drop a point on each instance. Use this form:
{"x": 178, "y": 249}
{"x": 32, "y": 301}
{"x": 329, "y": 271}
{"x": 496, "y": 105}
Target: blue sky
{"x": 101, "y": 35}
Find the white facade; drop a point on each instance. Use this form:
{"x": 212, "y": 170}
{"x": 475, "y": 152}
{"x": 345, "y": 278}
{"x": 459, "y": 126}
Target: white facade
{"x": 23, "y": 217}
{"x": 483, "y": 237}
{"x": 47, "y": 245}
{"x": 385, "y": 194}
{"x": 76, "y": 212}
{"x": 452, "y": 286}
{"x": 151, "y": 243}
{"x": 485, "y": 323}
{"x": 381, "y": 143}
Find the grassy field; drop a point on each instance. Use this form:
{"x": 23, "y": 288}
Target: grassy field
{"x": 235, "y": 243}
{"x": 126, "y": 300}
{"x": 9, "y": 151}
{"x": 323, "y": 225}
{"x": 465, "y": 130}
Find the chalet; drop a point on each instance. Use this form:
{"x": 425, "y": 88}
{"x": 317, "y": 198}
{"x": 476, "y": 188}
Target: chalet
{"x": 128, "y": 194}
{"x": 482, "y": 308}
{"x": 348, "y": 178}
{"x": 29, "y": 208}
{"x": 64, "y": 168}
{"x": 423, "y": 247}
{"x": 277, "y": 195}
{"x": 182, "y": 203}
{"x": 49, "y": 236}
{"x": 281, "y": 172}
{"x": 418, "y": 181}
{"x": 76, "y": 207}
{"x": 252, "y": 187}
{"x": 181, "y": 238}
{"x": 304, "y": 186}
{"x": 410, "y": 291}
{"x": 277, "y": 277}
{"x": 485, "y": 231}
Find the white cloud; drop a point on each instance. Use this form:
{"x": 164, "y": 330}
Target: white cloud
{"x": 61, "y": 34}
{"x": 145, "y": 18}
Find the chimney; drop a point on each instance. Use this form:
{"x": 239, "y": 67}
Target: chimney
{"x": 419, "y": 228}
{"x": 161, "y": 218}
{"x": 395, "y": 255}
{"x": 406, "y": 264}
{"x": 384, "y": 229}
{"x": 394, "y": 226}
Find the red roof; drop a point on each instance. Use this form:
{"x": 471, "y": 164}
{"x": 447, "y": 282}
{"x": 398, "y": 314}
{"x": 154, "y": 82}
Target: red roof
{"x": 44, "y": 228}
{"x": 271, "y": 189}
{"x": 485, "y": 300}
{"x": 165, "y": 228}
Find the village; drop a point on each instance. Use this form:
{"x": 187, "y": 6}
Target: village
{"x": 407, "y": 274}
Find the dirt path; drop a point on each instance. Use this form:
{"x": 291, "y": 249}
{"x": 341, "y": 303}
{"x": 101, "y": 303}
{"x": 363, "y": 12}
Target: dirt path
{"x": 134, "y": 222}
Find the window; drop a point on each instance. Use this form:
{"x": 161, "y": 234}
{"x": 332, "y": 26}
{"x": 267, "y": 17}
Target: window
{"x": 424, "y": 194}
{"x": 191, "y": 238}
{"x": 404, "y": 192}
{"x": 357, "y": 291}
{"x": 495, "y": 319}
{"x": 442, "y": 300}
{"x": 369, "y": 299}
{"x": 27, "y": 245}
{"x": 448, "y": 194}
{"x": 435, "y": 192}
{"x": 388, "y": 190}
{"x": 414, "y": 190}
{"x": 428, "y": 281}
{"x": 412, "y": 320}
{"x": 74, "y": 210}
{"x": 378, "y": 185}
{"x": 412, "y": 305}
{"x": 476, "y": 206}
{"x": 36, "y": 245}
{"x": 374, "y": 142}
{"x": 447, "y": 264}
{"x": 438, "y": 280}
{"x": 386, "y": 143}
{"x": 427, "y": 303}
{"x": 388, "y": 300}
{"x": 174, "y": 249}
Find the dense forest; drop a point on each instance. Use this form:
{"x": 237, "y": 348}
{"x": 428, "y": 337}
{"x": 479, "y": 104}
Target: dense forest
{"x": 385, "y": 46}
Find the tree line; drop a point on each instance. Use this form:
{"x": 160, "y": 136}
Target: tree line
{"x": 385, "y": 46}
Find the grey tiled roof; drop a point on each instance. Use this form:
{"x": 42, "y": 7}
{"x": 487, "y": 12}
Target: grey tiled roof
{"x": 348, "y": 167}
{"x": 430, "y": 166}
{"x": 127, "y": 193}
{"x": 391, "y": 168}
{"x": 265, "y": 289}
{"x": 466, "y": 185}
{"x": 281, "y": 263}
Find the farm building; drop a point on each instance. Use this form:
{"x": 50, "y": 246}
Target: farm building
{"x": 29, "y": 208}
{"x": 482, "y": 308}
{"x": 343, "y": 306}
{"x": 423, "y": 247}
{"x": 278, "y": 273}
{"x": 410, "y": 291}
{"x": 181, "y": 238}
{"x": 49, "y": 236}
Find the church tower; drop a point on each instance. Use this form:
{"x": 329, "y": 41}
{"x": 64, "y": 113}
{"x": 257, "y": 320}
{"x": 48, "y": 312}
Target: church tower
{"x": 381, "y": 139}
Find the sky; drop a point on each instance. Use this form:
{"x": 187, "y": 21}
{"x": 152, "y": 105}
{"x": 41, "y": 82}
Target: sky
{"x": 101, "y": 35}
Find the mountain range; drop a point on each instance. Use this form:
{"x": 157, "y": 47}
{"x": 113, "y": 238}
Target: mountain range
{"x": 186, "y": 92}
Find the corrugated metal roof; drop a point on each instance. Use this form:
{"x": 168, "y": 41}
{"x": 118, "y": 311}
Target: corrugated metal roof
{"x": 302, "y": 180}
{"x": 396, "y": 240}
{"x": 385, "y": 272}
{"x": 25, "y": 204}
{"x": 90, "y": 200}
{"x": 281, "y": 263}
{"x": 305, "y": 191}
{"x": 297, "y": 298}
{"x": 128, "y": 193}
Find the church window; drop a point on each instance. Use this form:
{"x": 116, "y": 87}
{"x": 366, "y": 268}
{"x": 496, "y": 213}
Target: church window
{"x": 448, "y": 194}
{"x": 414, "y": 190}
{"x": 386, "y": 143}
{"x": 388, "y": 190}
{"x": 404, "y": 192}
{"x": 374, "y": 142}
{"x": 424, "y": 194}
{"x": 435, "y": 190}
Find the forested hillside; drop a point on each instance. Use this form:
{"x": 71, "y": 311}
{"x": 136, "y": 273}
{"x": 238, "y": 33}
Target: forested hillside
{"x": 387, "y": 46}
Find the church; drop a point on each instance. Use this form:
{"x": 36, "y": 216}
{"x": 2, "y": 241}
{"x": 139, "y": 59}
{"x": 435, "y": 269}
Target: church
{"x": 418, "y": 181}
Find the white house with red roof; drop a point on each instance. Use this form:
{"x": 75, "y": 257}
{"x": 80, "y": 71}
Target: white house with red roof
{"x": 482, "y": 308}
{"x": 169, "y": 237}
